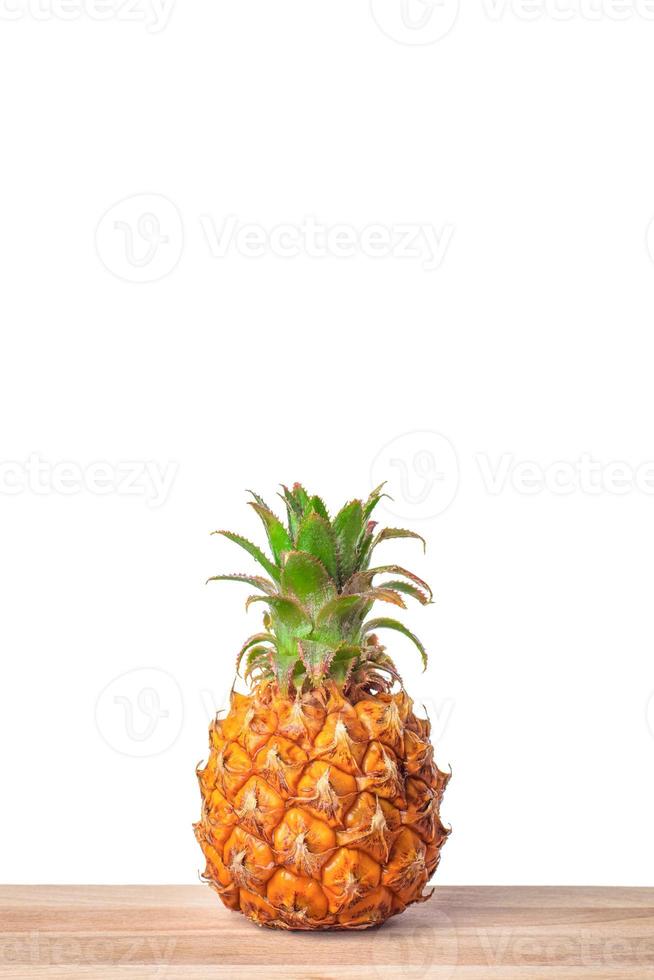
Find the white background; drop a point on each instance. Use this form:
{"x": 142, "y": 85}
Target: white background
{"x": 130, "y": 337}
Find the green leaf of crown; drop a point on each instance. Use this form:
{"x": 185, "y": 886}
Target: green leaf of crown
{"x": 319, "y": 593}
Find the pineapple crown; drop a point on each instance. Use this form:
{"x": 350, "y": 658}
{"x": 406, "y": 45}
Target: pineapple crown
{"x": 319, "y": 591}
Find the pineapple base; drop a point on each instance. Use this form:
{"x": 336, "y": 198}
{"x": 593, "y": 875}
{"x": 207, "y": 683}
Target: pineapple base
{"x": 320, "y": 812}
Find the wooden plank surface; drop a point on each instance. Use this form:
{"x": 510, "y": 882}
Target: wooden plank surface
{"x": 182, "y": 932}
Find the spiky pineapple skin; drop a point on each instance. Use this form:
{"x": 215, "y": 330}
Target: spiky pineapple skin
{"x": 319, "y": 812}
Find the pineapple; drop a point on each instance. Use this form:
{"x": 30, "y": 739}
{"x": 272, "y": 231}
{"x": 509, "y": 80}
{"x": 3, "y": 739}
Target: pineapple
{"x": 321, "y": 797}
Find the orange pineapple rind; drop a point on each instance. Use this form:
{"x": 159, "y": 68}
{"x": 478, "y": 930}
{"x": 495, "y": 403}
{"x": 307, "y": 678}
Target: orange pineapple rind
{"x": 294, "y": 840}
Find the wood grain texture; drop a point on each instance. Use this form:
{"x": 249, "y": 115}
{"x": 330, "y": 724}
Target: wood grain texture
{"x": 182, "y": 932}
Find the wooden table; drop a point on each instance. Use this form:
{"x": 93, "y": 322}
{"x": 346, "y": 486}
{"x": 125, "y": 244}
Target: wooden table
{"x": 182, "y": 932}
